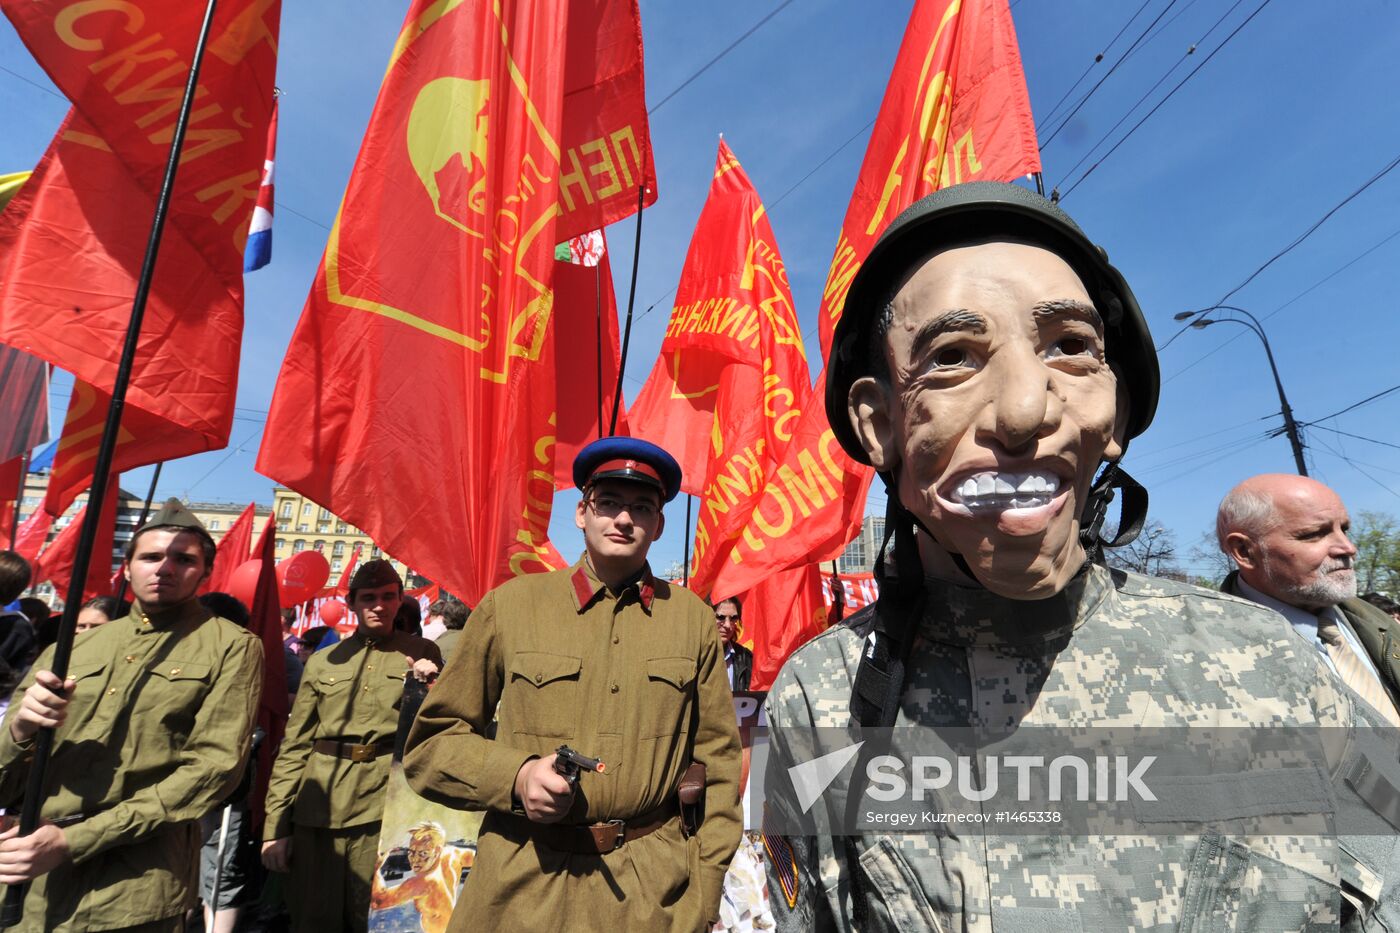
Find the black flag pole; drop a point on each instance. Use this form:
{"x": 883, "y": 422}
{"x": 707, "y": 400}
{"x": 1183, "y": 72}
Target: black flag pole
{"x": 598, "y": 327}
{"x": 631, "y": 298}
{"x": 13, "y": 911}
{"x": 145, "y": 514}
{"x": 19, "y": 497}
{"x": 685, "y": 568}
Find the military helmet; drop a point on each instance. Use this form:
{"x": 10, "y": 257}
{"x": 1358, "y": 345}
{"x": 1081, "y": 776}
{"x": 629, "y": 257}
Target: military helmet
{"x": 975, "y": 211}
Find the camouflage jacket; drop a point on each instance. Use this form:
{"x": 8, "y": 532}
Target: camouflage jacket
{"x": 1118, "y": 650}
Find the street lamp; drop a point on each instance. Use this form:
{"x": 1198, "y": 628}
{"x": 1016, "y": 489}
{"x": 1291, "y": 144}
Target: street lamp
{"x": 1290, "y": 426}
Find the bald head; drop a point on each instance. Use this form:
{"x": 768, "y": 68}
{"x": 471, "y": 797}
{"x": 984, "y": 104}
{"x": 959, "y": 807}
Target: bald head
{"x": 1288, "y": 536}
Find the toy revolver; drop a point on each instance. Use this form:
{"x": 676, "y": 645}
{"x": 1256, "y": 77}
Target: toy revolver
{"x": 570, "y": 764}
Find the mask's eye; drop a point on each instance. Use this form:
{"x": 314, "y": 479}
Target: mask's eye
{"x": 950, "y": 357}
{"x": 1072, "y": 345}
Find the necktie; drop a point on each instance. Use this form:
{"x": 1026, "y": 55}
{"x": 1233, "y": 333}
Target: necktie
{"x": 1353, "y": 670}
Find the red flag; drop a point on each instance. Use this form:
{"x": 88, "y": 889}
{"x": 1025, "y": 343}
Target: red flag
{"x": 442, "y": 330}
{"x": 781, "y": 614}
{"x": 606, "y": 139}
{"x": 72, "y": 241}
{"x": 56, "y": 563}
{"x": 233, "y": 550}
{"x": 585, "y": 363}
{"x": 343, "y": 587}
{"x": 32, "y": 534}
{"x": 142, "y": 438}
{"x": 10, "y": 473}
{"x": 734, "y": 310}
{"x": 676, "y": 410}
{"x": 265, "y": 621}
{"x": 733, "y": 305}
{"x": 955, "y": 110}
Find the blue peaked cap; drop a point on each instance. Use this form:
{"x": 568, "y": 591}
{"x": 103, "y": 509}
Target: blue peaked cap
{"x": 628, "y": 458}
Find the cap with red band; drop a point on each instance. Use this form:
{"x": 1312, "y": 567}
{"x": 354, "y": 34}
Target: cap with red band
{"x": 630, "y": 459}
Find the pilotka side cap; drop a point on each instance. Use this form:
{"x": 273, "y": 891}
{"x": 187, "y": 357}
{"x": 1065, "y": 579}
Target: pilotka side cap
{"x": 974, "y": 211}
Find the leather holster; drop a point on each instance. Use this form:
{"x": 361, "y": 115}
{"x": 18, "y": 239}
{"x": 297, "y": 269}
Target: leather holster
{"x": 691, "y": 794}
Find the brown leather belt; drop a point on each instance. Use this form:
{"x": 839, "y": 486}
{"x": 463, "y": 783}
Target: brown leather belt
{"x": 352, "y": 752}
{"x": 601, "y": 838}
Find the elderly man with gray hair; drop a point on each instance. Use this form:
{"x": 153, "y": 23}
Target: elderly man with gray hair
{"x": 1287, "y": 535}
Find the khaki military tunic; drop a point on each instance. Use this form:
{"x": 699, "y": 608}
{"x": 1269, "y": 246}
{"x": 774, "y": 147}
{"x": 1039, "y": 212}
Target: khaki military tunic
{"x": 331, "y": 806}
{"x": 157, "y": 734}
{"x": 636, "y": 678}
{"x": 1114, "y": 650}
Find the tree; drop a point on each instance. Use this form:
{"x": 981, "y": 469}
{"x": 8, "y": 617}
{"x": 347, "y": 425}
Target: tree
{"x": 1377, "y": 539}
{"x": 1153, "y": 553}
{"x": 1206, "y": 553}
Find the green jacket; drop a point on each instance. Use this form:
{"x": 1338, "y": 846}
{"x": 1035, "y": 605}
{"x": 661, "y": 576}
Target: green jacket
{"x": 635, "y": 678}
{"x": 350, "y": 692}
{"x": 157, "y": 734}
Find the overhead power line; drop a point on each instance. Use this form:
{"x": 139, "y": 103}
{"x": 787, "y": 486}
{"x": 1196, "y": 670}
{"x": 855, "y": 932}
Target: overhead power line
{"x": 1352, "y": 407}
{"x": 1114, "y": 67}
{"x": 1170, "y": 94}
{"x": 725, "y": 51}
{"x": 1290, "y": 302}
{"x": 1297, "y": 241}
{"x": 1359, "y": 437}
{"x": 1191, "y": 50}
{"x": 1050, "y": 115}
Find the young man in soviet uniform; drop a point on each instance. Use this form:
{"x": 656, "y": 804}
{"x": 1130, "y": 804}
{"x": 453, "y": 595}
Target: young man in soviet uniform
{"x": 988, "y": 362}
{"x": 326, "y": 794}
{"x": 153, "y": 728}
{"x": 620, "y": 666}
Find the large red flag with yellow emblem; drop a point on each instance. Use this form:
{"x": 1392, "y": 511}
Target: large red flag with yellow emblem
{"x": 417, "y": 397}
{"x": 955, "y": 110}
{"x": 73, "y": 239}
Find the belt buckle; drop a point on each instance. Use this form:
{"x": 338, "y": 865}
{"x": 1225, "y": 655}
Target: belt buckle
{"x": 362, "y": 752}
{"x": 621, "y": 833}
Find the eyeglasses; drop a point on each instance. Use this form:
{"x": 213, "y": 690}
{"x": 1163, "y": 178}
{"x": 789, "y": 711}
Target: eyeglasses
{"x": 724, "y": 618}
{"x": 610, "y": 507}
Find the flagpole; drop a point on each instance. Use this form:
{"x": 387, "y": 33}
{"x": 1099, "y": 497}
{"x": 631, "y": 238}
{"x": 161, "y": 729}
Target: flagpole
{"x": 13, "y": 911}
{"x": 145, "y": 513}
{"x": 19, "y": 497}
{"x": 598, "y": 327}
{"x": 685, "y": 568}
{"x": 631, "y": 297}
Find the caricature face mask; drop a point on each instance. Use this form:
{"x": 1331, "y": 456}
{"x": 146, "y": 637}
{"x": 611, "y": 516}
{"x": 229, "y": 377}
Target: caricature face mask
{"x": 998, "y": 408}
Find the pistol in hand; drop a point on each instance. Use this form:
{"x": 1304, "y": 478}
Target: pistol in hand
{"x": 570, "y": 764}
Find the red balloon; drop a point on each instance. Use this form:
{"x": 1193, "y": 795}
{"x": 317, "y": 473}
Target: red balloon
{"x": 243, "y": 582}
{"x": 332, "y": 611}
{"x": 301, "y": 577}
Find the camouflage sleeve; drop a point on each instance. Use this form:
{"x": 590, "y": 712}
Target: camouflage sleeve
{"x": 804, "y": 872}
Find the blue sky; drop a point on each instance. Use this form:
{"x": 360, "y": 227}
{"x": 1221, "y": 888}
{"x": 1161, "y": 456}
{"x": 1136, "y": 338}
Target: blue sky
{"x": 1292, "y": 115}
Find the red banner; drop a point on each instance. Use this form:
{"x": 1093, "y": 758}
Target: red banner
{"x": 56, "y": 563}
{"x": 734, "y": 310}
{"x": 955, "y": 110}
{"x": 142, "y": 438}
{"x": 586, "y": 358}
{"x": 233, "y": 552}
{"x": 32, "y": 534}
{"x": 782, "y": 614}
{"x": 265, "y": 621}
{"x": 606, "y": 150}
{"x": 441, "y": 330}
{"x": 342, "y": 587}
{"x": 73, "y": 239}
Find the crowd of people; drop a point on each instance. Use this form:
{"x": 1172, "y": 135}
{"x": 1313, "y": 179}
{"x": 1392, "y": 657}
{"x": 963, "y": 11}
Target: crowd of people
{"x": 992, "y": 367}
